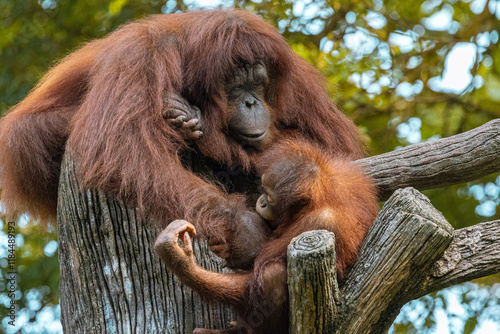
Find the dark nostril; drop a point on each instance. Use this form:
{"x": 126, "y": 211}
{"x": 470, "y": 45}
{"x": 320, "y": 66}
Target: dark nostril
{"x": 249, "y": 102}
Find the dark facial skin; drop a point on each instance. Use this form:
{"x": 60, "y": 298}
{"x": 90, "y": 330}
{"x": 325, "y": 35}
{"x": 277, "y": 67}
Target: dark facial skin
{"x": 249, "y": 122}
{"x": 249, "y": 118}
{"x": 270, "y": 205}
{"x": 264, "y": 207}
{"x": 266, "y": 204}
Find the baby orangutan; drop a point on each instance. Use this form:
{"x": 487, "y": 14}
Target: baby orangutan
{"x": 304, "y": 190}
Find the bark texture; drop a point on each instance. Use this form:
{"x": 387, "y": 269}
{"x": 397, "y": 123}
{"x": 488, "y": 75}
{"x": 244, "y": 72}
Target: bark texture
{"x": 112, "y": 282}
{"x": 410, "y": 251}
{"x": 474, "y": 253}
{"x": 434, "y": 164}
{"x": 111, "y": 279}
{"x": 312, "y": 282}
{"x": 407, "y": 237}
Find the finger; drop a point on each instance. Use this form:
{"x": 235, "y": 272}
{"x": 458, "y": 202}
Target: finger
{"x": 171, "y": 232}
{"x": 182, "y": 226}
{"x": 191, "y": 124}
{"x": 178, "y": 227}
{"x": 195, "y": 135}
{"x": 178, "y": 121}
{"x": 197, "y": 116}
{"x": 174, "y": 122}
{"x": 173, "y": 112}
{"x": 188, "y": 246}
{"x": 190, "y": 229}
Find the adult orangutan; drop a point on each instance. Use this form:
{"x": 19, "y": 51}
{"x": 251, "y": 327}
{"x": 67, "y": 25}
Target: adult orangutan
{"x": 129, "y": 106}
{"x": 304, "y": 190}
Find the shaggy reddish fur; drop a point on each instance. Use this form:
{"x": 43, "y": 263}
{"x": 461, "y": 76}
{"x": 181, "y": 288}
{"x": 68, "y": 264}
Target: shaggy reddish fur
{"x": 338, "y": 197}
{"x": 106, "y": 101}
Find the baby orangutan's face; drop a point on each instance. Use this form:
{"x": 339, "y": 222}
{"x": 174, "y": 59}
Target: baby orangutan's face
{"x": 266, "y": 204}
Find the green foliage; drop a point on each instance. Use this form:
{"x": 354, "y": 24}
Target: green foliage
{"x": 467, "y": 308}
{"x": 389, "y": 65}
{"x": 34, "y": 35}
{"x": 384, "y": 62}
{"x": 37, "y": 270}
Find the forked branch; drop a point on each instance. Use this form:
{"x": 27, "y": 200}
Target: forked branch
{"x": 410, "y": 250}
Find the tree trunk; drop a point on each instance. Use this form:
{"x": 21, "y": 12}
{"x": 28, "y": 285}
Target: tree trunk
{"x": 112, "y": 282}
{"x": 312, "y": 282}
{"x": 410, "y": 251}
{"x": 111, "y": 279}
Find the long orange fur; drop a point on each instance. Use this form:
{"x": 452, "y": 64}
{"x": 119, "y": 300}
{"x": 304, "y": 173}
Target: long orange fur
{"x": 338, "y": 198}
{"x": 105, "y": 100}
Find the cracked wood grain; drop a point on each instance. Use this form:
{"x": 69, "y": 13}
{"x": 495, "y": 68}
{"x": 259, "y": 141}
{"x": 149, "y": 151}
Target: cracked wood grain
{"x": 434, "y": 164}
{"x": 111, "y": 280}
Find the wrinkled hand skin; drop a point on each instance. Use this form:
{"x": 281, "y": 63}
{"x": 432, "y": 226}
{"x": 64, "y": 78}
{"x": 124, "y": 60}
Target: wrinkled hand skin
{"x": 177, "y": 258}
{"x": 184, "y": 116}
{"x": 248, "y": 234}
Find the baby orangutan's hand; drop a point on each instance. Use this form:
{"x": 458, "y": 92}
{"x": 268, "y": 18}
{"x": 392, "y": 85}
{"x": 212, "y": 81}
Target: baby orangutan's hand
{"x": 176, "y": 257}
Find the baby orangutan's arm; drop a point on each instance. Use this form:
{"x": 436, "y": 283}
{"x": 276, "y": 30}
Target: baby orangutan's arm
{"x": 223, "y": 287}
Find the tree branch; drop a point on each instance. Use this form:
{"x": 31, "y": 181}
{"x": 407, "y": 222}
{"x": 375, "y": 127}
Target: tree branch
{"x": 405, "y": 240}
{"x": 434, "y": 164}
{"x": 474, "y": 253}
{"x": 312, "y": 280}
{"x": 410, "y": 250}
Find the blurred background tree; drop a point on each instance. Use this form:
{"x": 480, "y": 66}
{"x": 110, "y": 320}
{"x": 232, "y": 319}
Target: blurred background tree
{"x": 404, "y": 71}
